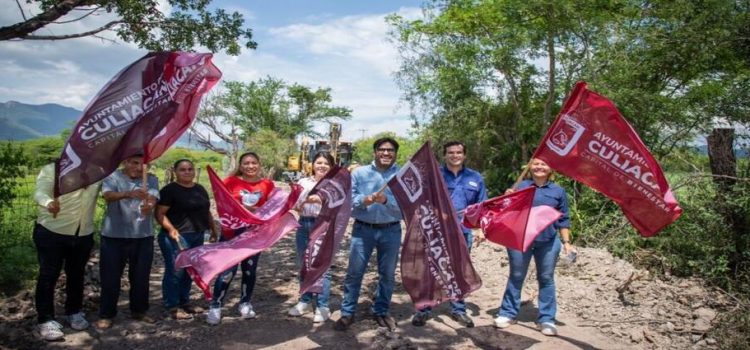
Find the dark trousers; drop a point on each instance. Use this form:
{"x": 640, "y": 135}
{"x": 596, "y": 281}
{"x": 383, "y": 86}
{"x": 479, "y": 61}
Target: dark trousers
{"x": 55, "y": 251}
{"x": 138, "y": 254}
{"x": 249, "y": 267}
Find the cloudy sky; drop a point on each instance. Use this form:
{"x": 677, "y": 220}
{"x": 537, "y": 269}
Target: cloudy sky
{"x": 338, "y": 44}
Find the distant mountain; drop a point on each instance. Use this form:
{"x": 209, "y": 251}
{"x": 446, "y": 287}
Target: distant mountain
{"x": 20, "y": 121}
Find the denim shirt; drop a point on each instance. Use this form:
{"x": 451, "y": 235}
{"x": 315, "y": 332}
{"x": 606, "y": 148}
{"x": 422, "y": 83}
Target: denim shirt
{"x": 366, "y": 180}
{"x": 465, "y": 188}
{"x": 553, "y": 195}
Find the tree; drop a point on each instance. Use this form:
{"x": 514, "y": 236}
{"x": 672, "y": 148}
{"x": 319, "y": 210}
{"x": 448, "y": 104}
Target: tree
{"x": 490, "y": 72}
{"x": 191, "y": 24}
{"x": 241, "y": 111}
{"x": 272, "y": 149}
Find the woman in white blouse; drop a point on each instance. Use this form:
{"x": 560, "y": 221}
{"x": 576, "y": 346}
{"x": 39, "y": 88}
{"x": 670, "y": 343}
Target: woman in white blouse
{"x": 309, "y": 208}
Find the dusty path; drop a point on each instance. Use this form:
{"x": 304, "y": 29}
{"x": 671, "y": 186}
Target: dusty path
{"x": 593, "y": 314}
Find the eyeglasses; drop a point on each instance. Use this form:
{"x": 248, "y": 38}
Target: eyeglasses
{"x": 386, "y": 150}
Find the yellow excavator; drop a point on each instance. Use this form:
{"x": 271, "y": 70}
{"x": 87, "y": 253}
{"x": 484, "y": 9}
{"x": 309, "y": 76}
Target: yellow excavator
{"x": 300, "y": 165}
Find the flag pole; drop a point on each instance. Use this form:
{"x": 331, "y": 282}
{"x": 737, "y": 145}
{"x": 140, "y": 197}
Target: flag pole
{"x": 523, "y": 174}
{"x": 144, "y": 184}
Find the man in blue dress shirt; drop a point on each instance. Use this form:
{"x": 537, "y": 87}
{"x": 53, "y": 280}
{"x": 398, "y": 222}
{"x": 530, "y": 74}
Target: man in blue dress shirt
{"x": 466, "y": 187}
{"x": 377, "y": 225}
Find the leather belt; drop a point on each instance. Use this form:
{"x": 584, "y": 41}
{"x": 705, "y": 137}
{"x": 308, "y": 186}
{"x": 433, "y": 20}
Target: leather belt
{"x": 377, "y": 226}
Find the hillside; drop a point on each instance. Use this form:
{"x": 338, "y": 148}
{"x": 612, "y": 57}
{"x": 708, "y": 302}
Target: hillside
{"x": 21, "y": 121}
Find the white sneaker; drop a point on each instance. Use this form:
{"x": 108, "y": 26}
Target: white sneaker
{"x": 300, "y": 309}
{"x": 504, "y": 322}
{"x": 246, "y": 310}
{"x": 213, "y": 317}
{"x": 50, "y": 330}
{"x": 548, "y": 328}
{"x": 322, "y": 314}
{"x": 78, "y": 321}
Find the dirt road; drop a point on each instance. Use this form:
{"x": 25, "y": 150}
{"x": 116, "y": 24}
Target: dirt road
{"x": 604, "y": 303}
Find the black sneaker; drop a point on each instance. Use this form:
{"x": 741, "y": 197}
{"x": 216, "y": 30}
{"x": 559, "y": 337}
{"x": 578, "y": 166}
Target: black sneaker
{"x": 343, "y": 323}
{"x": 463, "y": 319}
{"x": 420, "y": 318}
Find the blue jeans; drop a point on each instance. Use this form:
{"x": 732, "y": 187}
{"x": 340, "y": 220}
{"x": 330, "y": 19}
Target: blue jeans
{"x": 364, "y": 239}
{"x": 545, "y": 256}
{"x": 249, "y": 267}
{"x": 176, "y": 283}
{"x": 458, "y": 306}
{"x": 302, "y": 238}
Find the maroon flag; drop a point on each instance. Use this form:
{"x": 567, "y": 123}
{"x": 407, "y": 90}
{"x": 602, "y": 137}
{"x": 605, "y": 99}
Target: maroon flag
{"x": 592, "y": 143}
{"x": 335, "y": 189}
{"x": 233, "y": 215}
{"x": 435, "y": 263}
{"x": 205, "y": 262}
{"x": 510, "y": 220}
{"x": 142, "y": 110}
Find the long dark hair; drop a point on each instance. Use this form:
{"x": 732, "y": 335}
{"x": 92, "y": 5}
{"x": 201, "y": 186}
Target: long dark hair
{"x": 327, "y": 156}
{"x": 238, "y": 172}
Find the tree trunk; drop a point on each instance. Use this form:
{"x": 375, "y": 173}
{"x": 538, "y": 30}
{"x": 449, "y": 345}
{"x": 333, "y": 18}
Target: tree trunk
{"x": 722, "y": 159}
{"x": 724, "y": 168}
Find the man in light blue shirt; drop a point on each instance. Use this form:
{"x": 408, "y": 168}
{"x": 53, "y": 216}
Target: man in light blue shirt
{"x": 377, "y": 225}
{"x": 127, "y": 238}
{"x": 466, "y": 187}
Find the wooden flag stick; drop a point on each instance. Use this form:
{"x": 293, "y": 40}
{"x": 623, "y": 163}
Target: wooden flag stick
{"x": 382, "y": 188}
{"x": 144, "y": 183}
{"x": 523, "y": 174}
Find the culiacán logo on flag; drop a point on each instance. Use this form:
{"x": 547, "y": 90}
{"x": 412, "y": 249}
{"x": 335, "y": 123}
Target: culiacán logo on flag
{"x": 566, "y": 135}
{"x": 411, "y": 181}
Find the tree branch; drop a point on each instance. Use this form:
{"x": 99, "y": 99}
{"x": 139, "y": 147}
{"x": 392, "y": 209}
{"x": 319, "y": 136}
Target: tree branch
{"x": 20, "y": 9}
{"x": 73, "y": 36}
{"x": 22, "y": 30}
{"x": 82, "y": 17}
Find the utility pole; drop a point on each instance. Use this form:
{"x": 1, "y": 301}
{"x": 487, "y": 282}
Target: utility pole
{"x": 363, "y": 132}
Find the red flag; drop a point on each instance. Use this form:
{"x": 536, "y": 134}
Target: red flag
{"x": 510, "y": 220}
{"x": 205, "y": 262}
{"x": 335, "y": 189}
{"x": 592, "y": 143}
{"x": 233, "y": 215}
{"x": 142, "y": 110}
{"x": 435, "y": 263}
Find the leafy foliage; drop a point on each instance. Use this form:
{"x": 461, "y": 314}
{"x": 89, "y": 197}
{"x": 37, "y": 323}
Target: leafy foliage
{"x": 12, "y": 164}
{"x": 269, "y": 109}
{"x": 189, "y": 24}
{"x": 17, "y": 258}
{"x": 491, "y": 73}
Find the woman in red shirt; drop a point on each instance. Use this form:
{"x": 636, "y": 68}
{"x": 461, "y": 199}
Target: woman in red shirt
{"x": 247, "y": 187}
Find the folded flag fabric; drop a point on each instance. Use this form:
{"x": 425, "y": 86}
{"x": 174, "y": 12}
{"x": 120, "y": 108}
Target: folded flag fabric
{"x": 510, "y": 220}
{"x": 335, "y": 189}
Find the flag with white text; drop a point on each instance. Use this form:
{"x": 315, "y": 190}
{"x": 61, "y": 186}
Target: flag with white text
{"x": 234, "y": 216}
{"x": 591, "y": 142}
{"x": 141, "y": 111}
{"x": 335, "y": 190}
{"x": 435, "y": 262}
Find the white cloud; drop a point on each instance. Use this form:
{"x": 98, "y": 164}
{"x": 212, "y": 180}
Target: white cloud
{"x": 349, "y": 54}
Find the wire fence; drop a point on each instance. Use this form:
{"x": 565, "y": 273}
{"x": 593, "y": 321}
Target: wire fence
{"x": 21, "y": 214}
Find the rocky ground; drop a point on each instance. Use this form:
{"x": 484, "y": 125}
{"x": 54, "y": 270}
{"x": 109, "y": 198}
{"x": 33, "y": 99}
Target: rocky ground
{"x": 604, "y": 303}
